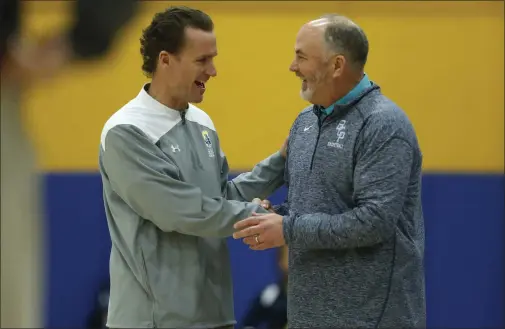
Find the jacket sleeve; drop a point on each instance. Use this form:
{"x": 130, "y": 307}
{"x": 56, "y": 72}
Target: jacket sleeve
{"x": 149, "y": 182}
{"x": 96, "y": 23}
{"x": 266, "y": 177}
{"x": 283, "y": 208}
{"x": 382, "y": 173}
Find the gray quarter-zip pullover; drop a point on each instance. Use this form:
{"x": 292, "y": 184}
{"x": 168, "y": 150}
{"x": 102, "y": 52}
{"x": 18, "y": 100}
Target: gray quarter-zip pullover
{"x": 169, "y": 209}
{"x": 354, "y": 224}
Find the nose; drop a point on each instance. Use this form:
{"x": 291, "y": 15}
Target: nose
{"x": 293, "y": 67}
{"x": 212, "y": 70}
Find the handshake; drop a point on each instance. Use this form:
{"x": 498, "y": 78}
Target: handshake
{"x": 261, "y": 231}
{"x": 264, "y": 203}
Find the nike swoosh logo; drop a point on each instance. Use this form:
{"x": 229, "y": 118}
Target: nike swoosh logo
{"x": 307, "y": 128}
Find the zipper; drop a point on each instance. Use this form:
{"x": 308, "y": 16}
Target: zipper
{"x": 319, "y": 125}
{"x": 336, "y": 117}
{"x": 197, "y": 164}
{"x": 183, "y": 117}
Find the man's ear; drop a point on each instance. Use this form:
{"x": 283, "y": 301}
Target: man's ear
{"x": 164, "y": 59}
{"x": 338, "y": 64}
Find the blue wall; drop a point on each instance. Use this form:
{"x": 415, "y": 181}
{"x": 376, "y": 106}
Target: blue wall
{"x": 465, "y": 255}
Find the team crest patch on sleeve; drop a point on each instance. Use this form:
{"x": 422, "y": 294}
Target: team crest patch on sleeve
{"x": 208, "y": 143}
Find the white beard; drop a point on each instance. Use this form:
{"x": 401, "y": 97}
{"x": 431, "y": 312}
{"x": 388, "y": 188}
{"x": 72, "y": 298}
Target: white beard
{"x": 307, "y": 94}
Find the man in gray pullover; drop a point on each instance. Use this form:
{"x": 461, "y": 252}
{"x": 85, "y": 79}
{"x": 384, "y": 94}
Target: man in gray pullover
{"x": 168, "y": 201}
{"x": 353, "y": 219}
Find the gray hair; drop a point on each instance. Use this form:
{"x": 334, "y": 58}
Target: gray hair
{"x": 343, "y": 36}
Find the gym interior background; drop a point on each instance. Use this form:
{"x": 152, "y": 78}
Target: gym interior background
{"x": 442, "y": 62}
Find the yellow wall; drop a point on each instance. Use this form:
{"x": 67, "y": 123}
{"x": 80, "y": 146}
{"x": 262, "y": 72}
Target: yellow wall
{"x": 442, "y": 62}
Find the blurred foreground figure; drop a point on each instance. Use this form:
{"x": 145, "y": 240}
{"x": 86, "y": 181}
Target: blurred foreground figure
{"x": 96, "y": 24}
{"x": 269, "y": 309}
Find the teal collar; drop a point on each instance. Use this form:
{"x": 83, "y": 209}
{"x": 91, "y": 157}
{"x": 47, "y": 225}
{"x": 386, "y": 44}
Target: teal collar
{"x": 355, "y": 92}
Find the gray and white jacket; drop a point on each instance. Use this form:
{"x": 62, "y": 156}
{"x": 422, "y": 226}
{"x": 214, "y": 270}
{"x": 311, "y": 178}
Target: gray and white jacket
{"x": 169, "y": 208}
{"x": 353, "y": 219}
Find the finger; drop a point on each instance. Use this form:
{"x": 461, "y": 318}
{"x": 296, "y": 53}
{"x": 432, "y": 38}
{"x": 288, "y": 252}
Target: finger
{"x": 246, "y": 223}
{"x": 250, "y": 231}
{"x": 260, "y": 246}
{"x": 250, "y": 240}
{"x": 247, "y": 232}
{"x": 266, "y": 204}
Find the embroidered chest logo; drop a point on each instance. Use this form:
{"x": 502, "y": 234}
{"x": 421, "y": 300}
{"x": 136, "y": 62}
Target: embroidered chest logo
{"x": 340, "y": 135}
{"x": 175, "y": 148}
{"x": 208, "y": 143}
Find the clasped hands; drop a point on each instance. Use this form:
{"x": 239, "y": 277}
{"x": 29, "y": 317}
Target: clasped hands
{"x": 261, "y": 231}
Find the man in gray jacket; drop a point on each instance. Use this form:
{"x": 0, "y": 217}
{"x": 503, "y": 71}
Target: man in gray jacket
{"x": 353, "y": 219}
{"x": 168, "y": 200}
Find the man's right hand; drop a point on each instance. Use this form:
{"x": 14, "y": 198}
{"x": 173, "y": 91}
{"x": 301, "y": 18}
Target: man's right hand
{"x": 266, "y": 204}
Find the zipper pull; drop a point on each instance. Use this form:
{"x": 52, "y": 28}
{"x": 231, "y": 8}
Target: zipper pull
{"x": 183, "y": 117}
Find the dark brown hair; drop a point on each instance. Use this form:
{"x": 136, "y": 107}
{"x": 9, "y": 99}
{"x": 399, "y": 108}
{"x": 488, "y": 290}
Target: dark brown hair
{"x": 167, "y": 33}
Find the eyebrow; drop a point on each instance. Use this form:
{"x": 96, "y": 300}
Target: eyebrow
{"x": 207, "y": 56}
{"x": 299, "y": 52}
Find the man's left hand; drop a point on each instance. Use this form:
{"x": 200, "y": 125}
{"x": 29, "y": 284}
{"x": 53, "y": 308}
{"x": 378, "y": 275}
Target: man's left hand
{"x": 261, "y": 232}
{"x": 284, "y": 148}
